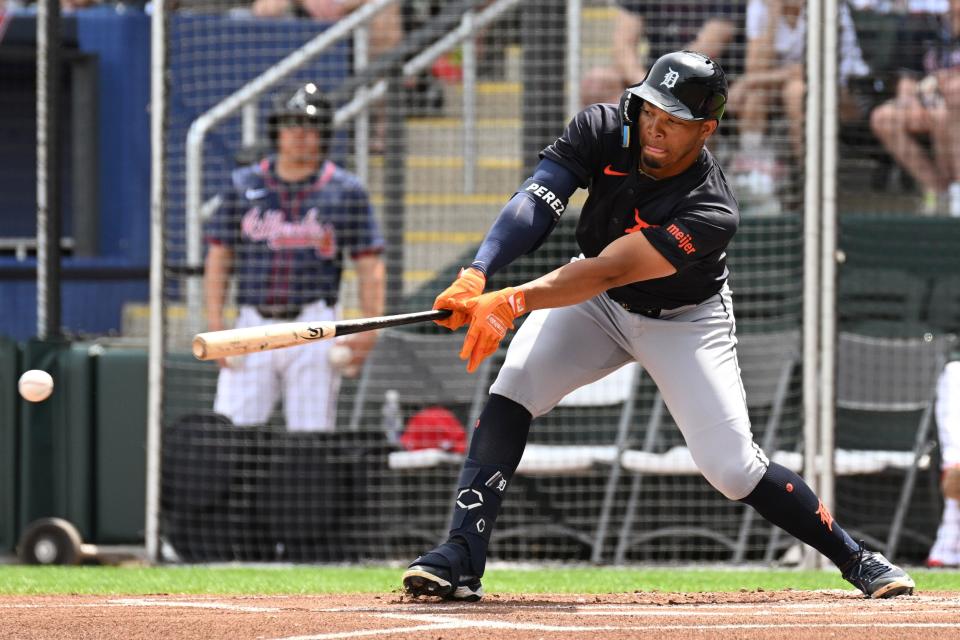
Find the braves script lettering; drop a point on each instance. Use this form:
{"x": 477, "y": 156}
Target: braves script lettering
{"x": 270, "y": 226}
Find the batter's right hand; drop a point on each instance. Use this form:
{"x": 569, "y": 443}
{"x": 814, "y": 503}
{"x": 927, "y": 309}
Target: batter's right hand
{"x": 469, "y": 284}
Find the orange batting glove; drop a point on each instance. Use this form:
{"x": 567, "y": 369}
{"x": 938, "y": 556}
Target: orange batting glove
{"x": 469, "y": 284}
{"x": 491, "y": 315}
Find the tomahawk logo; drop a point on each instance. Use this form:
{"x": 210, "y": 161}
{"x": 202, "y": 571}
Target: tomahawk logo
{"x": 670, "y": 79}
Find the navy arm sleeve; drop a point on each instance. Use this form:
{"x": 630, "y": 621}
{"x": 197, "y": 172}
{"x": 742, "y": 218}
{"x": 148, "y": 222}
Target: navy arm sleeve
{"x": 528, "y": 218}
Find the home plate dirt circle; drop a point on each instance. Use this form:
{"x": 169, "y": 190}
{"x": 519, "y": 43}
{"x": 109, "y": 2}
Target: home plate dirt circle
{"x": 793, "y": 615}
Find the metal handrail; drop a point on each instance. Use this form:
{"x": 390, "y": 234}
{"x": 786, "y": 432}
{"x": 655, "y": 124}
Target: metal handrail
{"x": 363, "y": 95}
{"x": 197, "y": 133}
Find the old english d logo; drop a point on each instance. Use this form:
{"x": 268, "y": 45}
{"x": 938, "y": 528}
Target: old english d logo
{"x": 670, "y": 79}
{"x": 641, "y": 224}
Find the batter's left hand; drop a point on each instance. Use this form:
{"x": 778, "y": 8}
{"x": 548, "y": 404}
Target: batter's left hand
{"x": 491, "y": 316}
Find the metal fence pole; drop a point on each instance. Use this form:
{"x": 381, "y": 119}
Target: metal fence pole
{"x": 48, "y": 168}
{"x": 394, "y": 192}
{"x": 544, "y": 61}
{"x": 158, "y": 112}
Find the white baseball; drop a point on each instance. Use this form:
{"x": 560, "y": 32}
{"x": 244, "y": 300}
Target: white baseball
{"x": 35, "y": 385}
{"x": 339, "y": 356}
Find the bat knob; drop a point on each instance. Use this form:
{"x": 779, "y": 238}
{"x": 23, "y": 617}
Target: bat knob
{"x": 199, "y": 348}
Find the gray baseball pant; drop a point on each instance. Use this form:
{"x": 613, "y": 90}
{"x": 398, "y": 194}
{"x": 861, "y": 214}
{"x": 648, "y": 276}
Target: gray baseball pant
{"x": 689, "y": 352}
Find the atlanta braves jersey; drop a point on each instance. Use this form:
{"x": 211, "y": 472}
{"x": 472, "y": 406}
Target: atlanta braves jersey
{"x": 290, "y": 239}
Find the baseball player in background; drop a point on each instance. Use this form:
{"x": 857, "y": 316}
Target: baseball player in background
{"x": 946, "y": 548}
{"x": 650, "y": 288}
{"x": 283, "y": 231}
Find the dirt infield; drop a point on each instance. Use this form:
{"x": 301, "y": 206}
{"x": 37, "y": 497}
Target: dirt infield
{"x": 792, "y": 615}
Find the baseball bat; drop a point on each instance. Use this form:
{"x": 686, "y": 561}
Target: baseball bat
{"x": 234, "y": 342}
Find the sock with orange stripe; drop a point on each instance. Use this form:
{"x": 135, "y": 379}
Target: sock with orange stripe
{"x": 783, "y": 498}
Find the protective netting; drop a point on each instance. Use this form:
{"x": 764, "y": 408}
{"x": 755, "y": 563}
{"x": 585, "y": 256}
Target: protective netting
{"x": 607, "y": 475}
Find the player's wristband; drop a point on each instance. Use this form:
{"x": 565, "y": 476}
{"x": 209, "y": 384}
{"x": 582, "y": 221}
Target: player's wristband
{"x": 518, "y": 303}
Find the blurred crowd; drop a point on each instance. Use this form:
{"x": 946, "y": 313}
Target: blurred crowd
{"x": 897, "y": 79}
{"x": 895, "y": 93}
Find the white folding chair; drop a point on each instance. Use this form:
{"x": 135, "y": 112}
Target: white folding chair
{"x": 891, "y": 381}
{"x": 767, "y": 362}
{"x": 616, "y": 390}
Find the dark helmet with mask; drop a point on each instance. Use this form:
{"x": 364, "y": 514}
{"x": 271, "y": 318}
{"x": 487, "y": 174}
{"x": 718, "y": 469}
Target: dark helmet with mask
{"x": 306, "y": 106}
{"x": 685, "y": 84}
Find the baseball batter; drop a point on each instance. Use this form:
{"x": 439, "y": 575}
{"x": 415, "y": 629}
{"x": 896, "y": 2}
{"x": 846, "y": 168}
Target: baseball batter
{"x": 283, "y": 231}
{"x": 651, "y": 288}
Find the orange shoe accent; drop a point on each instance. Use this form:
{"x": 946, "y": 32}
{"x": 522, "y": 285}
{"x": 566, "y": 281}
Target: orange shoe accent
{"x": 825, "y": 516}
{"x": 610, "y": 171}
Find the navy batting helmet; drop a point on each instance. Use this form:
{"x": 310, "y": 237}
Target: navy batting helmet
{"x": 305, "y": 106}
{"x": 685, "y": 84}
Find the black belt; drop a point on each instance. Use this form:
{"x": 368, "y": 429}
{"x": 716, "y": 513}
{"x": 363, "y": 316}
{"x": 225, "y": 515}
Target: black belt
{"x": 287, "y": 311}
{"x": 649, "y": 312}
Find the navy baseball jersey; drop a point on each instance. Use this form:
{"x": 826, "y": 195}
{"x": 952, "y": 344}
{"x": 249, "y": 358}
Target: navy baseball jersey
{"x": 689, "y": 218}
{"x": 290, "y": 238}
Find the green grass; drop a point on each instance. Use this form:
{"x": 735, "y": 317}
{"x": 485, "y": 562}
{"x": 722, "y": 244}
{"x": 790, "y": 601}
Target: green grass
{"x": 20, "y": 580}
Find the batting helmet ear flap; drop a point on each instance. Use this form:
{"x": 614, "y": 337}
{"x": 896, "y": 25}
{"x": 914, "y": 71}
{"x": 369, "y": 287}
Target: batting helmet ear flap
{"x": 629, "y": 111}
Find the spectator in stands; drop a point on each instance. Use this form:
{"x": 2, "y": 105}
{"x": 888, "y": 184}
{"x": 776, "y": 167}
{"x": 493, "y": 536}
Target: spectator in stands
{"x": 776, "y": 42}
{"x": 385, "y": 27}
{"x": 928, "y": 106}
{"x": 7, "y": 9}
{"x": 946, "y": 548}
{"x": 74, "y": 5}
{"x": 283, "y": 230}
{"x": 644, "y": 30}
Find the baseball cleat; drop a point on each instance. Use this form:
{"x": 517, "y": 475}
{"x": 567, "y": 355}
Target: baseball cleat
{"x": 422, "y": 580}
{"x": 876, "y": 576}
{"x": 440, "y": 573}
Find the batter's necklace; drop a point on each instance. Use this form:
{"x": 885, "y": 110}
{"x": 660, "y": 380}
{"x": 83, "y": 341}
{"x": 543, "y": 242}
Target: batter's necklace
{"x": 644, "y": 173}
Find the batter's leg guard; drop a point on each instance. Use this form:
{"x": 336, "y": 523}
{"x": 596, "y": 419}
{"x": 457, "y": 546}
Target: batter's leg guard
{"x": 453, "y": 570}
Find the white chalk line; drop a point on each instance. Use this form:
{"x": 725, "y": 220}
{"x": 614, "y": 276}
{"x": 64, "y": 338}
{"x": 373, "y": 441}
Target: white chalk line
{"x": 450, "y": 622}
{"x": 916, "y": 604}
{"x": 445, "y": 622}
{"x": 379, "y": 632}
{"x": 135, "y": 602}
{"x": 192, "y": 604}
{"x": 454, "y": 615}
{"x": 694, "y": 608}
{"x": 660, "y": 613}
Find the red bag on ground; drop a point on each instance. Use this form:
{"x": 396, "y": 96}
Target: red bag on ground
{"x": 434, "y": 428}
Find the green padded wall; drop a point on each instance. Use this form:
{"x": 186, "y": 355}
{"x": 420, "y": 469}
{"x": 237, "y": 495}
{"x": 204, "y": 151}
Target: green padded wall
{"x": 121, "y": 433}
{"x": 54, "y": 439}
{"x": 73, "y": 439}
